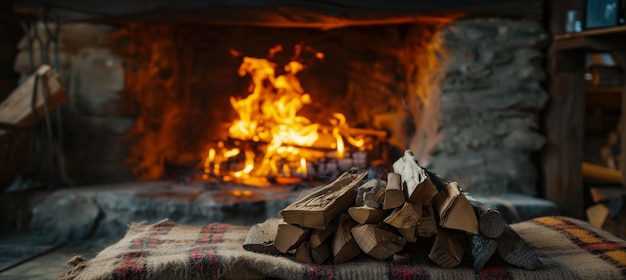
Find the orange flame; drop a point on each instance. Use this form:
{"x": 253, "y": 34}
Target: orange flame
{"x": 269, "y": 115}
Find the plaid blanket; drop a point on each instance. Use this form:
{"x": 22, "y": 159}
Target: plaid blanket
{"x": 569, "y": 249}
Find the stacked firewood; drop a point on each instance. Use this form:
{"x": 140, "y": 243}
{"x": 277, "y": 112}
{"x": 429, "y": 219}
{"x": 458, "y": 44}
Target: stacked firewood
{"x": 339, "y": 221}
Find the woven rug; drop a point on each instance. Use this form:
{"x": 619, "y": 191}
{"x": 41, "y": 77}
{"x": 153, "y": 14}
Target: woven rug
{"x": 569, "y": 249}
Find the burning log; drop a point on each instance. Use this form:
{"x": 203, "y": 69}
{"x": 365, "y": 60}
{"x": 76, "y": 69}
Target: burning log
{"x": 318, "y": 209}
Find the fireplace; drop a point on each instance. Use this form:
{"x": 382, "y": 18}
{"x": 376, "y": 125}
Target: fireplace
{"x": 153, "y": 99}
{"x": 157, "y": 100}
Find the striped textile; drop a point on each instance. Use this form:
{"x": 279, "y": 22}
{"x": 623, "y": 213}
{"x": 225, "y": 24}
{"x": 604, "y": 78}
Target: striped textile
{"x": 569, "y": 249}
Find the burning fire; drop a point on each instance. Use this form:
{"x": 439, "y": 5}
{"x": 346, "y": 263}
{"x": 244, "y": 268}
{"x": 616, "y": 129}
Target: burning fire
{"x": 269, "y": 116}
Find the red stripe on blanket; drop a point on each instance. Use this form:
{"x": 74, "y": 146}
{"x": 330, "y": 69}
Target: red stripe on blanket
{"x": 406, "y": 272}
{"x": 588, "y": 240}
{"x": 314, "y": 271}
{"x": 203, "y": 256}
{"x": 132, "y": 264}
{"x": 492, "y": 273}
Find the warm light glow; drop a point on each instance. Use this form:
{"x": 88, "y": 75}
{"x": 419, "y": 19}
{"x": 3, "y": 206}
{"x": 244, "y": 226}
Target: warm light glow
{"x": 269, "y": 116}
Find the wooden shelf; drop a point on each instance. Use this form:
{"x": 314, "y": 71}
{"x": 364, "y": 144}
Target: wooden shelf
{"x": 605, "y": 98}
{"x": 602, "y": 39}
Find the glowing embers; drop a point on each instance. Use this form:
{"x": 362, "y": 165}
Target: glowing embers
{"x": 270, "y": 142}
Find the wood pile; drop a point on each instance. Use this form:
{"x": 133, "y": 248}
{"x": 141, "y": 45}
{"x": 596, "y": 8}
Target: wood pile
{"x": 351, "y": 216}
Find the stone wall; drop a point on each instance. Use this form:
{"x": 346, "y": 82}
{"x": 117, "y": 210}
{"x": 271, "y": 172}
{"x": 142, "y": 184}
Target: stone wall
{"x": 479, "y": 104}
{"x": 93, "y": 119}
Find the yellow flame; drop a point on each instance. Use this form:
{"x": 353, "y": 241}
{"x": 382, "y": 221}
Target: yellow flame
{"x": 269, "y": 115}
{"x": 340, "y": 145}
{"x": 207, "y": 163}
{"x": 231, "y": 153}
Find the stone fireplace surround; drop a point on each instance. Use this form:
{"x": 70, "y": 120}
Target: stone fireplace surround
{"x": 465, "y": 101}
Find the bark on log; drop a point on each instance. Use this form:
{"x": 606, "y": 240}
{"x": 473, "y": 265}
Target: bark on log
{"x": 318, "y": 209}
{"x": 490, "y": 222}
{"x": 365, "y": 188}
{"x": 261, "y": 237}
{"x": 482, "y": 248}
{"x": 514, "y": 250}
{"x": 417, "y": 185}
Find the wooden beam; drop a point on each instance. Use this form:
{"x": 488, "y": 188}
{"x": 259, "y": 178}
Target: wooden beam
{"x": 564, "y": 128}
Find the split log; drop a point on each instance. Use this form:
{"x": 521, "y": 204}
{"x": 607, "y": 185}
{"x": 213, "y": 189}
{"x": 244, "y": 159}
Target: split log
{"x": 303, "y": 253}
{"x": 344, "y": 246}
{"x": 514, "y": 250}
{"x": 290, "y": 237}
{"x": 439, "y": 182}
{"x": 321, "y": 253}
{"x": 319, "y": 208}
{"x": 17, "y": 108}
{"x": 490, "y": 222}
{"x": 403, "y": 218}
{"x": 409, "y": 233}
{"x": 376, "y": 242}
{"x": 261, "y": 237}
{"x": 320, "y": 235}
{"x": 426, "y": 225}
{"x": 454, "y": 210}
{"x": 598, "y": 214}
{"x": 366, "y": 188}
{"x": 367, "y": 215}
{"x": 447, "y": 250}
{"x": 417, "y": 185}
{"x": 394, "y": 196}
{"x": 375, "y": 197}
{"x": 482, "y": 248}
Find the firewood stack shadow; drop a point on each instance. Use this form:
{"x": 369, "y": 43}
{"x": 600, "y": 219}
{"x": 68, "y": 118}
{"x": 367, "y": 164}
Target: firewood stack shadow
{"x": 389, "y": 219}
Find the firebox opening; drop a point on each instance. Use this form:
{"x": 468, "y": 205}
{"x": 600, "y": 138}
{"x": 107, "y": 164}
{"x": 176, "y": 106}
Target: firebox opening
{"x": 185, "y": 86}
